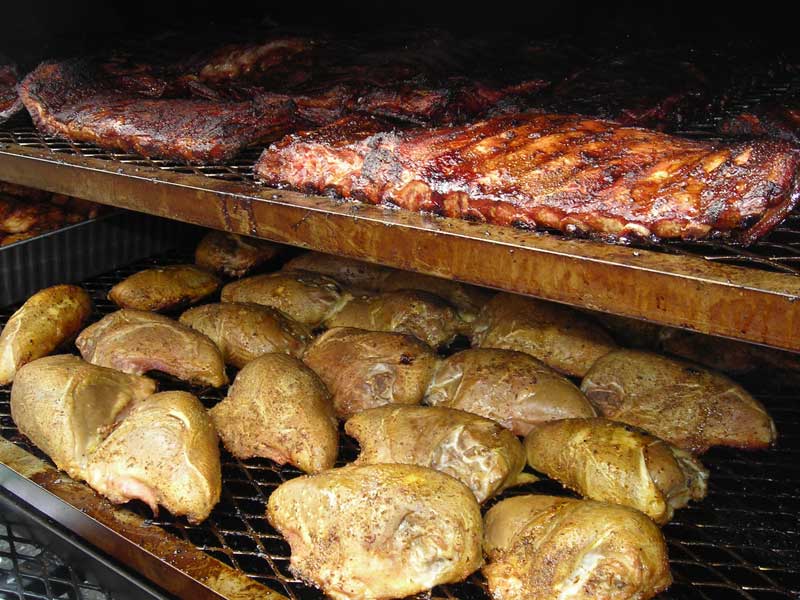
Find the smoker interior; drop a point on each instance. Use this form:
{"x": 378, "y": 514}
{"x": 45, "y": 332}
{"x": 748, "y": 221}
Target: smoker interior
{"x": 740, "y": 542}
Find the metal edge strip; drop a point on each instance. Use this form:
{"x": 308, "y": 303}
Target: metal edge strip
{"x": 687, "y": 292}
{"x": 172, "y": 563}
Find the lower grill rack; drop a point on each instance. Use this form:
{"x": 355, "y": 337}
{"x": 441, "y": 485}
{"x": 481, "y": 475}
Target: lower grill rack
{"x": 739, "y": 543}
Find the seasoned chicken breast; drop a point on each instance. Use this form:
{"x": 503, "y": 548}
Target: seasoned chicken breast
{"x": 476, "y": 451}
{"x": 545, "y": 548}
{"x": 67, "y": 406}
{"x": 243, "y": 332}
{"x": 165, "y": 452}
{"x": 365, "y": 369}
{"x": 135, "y": 341}
{"x": 512, "y": 388}
{"x": 355, "y": 274}
{"x": 164, "y": 288}
{"x": 47, "y": 320}
{"x": 681, "y": 402}
{"x": 616, "y": 463}
{"x": 467, "y": 299}
{"x": 561, "y": 337}
{"x": 378, "y": 531}
{"x": 277, "y": 408}
{"x": 306, "y": 297}
{"x": 423, "y": 315}
{"x": 234, "y": 255}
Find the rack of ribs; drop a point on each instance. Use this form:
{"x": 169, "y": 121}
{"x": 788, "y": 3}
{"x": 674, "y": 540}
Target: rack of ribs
{"x": 9, "y": 100}
{"x": 565, "y": 172}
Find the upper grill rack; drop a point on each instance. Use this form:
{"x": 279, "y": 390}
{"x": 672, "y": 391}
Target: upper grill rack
{"x": 778, "y": 252}
{"x": 739, "y": 543}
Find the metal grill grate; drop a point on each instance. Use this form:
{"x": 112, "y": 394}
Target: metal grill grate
{"x": 778, "y": 252}
{"x": 29, "y": 572}
{"x": 741, "y": 542}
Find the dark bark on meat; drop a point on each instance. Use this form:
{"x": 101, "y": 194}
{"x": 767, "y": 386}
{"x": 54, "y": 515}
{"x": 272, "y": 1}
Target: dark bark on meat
{"x": 10, "y": 103}
{"x": 565, "y": 172}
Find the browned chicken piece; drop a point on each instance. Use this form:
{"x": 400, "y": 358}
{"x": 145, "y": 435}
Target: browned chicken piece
{"x": 13, "y": 238}
{"x": 278, "y": 408}
{"x": 366, "y": 369}
{"x": 423, "y": 315}
{"x": 613, "y": 462}
{"x": 681, "y": 402}
{"x": 561, "y": 337}
{"x": 546, "y": 548}
{"x": 378, "y": 531}
{"x": 728, "y": 356}
{"x": 165, "y": 452}
{"x": 164, "y": 288}
{"x": 304, "y": 296}
{"x": 243, "y": 332}
{"x": 136, "y": 341}
{"x": 19, "y": 216}
{"x": 48, "y": 319}
{"x": 367, "y": 277}
{"x": 77, "y": 206}
{"x": 509, "y": 387}
{"x": 234, "y": 255}
{"x": 356, "y": 274}
{"x": 476, "y": 451}
{"x": 67, "y": 406}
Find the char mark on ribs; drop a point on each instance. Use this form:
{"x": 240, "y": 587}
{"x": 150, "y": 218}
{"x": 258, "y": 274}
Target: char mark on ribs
{"x": 565, "y": 172}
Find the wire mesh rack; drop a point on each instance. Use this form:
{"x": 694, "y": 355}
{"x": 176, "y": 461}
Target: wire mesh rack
{"x": 29, "y": 571}
{"x": 740, "y": 542}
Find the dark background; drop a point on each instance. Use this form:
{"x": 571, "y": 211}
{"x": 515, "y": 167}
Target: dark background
{"x": 34, "y": 30}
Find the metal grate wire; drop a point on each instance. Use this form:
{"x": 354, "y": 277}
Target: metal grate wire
{"x": 30, "y": 572}
{"x": 741, "y": 542}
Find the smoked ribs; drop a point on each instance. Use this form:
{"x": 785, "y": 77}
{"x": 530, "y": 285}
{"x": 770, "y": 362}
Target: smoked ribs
{"x": 9, "y": 100}
{"x": 565, "y": 172}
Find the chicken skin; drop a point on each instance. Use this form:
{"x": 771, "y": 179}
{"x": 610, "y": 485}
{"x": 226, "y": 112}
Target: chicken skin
{"x": 277, "y": 408}
{"x": 66, "y": 406}
{"x": 476, "y": 451}
{"x": 423, "y": 315}
{"x": 306, "y": 297}
{"x": 689, "y": 406}
{"x": 616, "y": 463}
{"x": 165, "y": 452}
{"x": 355, "y": 274}
{"x": 366, "y": 369}
{"x": 509, "y": 387}
{"x": 243, "y": 332}
{"x": 546, "y": 547}
{"x": 135, "y": 341}
{"x": 47, "y": 320}
{"x": 562, "y": 338}
{"x": 164, "y": 288}
{"x": 378, "y": 531}
{"x": 233, "y": 255}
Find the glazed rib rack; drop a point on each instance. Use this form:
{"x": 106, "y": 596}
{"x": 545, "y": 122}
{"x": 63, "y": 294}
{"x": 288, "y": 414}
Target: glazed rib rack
{"x": 739, "y": 543}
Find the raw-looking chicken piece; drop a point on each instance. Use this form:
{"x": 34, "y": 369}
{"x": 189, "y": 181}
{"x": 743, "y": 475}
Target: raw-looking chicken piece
{"x": 423, "y": 315}
{"x": 476, "y": 451}
{"x": 681, "y": 402}
{"x": 512, "y": 388}
{"x": 67, "y": 406}
{"x": 306, "y": 297}
{"x": 546, "y": 548}
{"x": 165, "y": 452}
{"x": 136, "y": 341}
{"x": 164, "y": 288}
{"x": 364, "y": 276}
{"x": 366, "y": 369}
{"x": 616, "y": 463}
{"x": 378, "y": 531}
{"x": 243, "y": 332}
{"x": 277, "y": 408}
{"x": 561, "y": 337}
{"x": 467, "y": 299}
{"x": 47, "y": 320}
{"x": 355, "y": 274}
{"x": 234, "y": 255}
